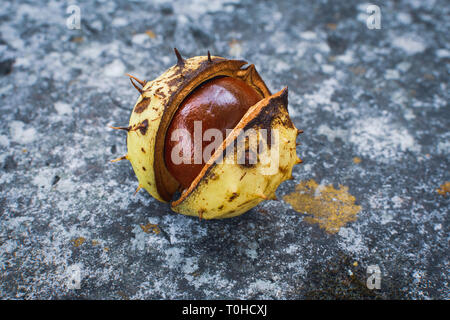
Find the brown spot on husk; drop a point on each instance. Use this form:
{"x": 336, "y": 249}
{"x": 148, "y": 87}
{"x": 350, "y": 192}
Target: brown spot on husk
{"x": 142, "y": 105}
{"x": 233, "y": 196}
{"x": 143, "y": 127}
{"x": 283, "y": 170}
{"x": 159, "y": 93}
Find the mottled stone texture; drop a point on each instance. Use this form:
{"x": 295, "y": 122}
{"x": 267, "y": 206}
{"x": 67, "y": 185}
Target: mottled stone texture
{"x": 378, "y": 95}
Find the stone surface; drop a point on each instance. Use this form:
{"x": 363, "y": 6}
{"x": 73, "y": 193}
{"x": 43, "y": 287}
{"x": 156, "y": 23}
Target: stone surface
{"x": 373, "y": 105}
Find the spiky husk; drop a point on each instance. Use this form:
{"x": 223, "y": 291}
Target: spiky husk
{"x": 150, "y": 120}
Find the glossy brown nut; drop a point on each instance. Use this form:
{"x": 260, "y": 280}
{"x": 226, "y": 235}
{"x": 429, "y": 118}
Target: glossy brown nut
{"x": 219, "y": 103}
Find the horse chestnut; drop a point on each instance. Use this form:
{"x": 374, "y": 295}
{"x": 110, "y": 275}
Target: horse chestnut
{"x": 220, "y": 94}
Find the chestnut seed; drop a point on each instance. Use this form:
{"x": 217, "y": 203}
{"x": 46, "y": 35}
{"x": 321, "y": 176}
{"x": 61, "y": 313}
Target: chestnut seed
{"x": 206, "y": 97}
{"x": 219, "y": 103}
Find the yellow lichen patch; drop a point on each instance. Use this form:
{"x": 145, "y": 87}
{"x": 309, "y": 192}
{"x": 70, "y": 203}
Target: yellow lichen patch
{"x": 150, "y": 227}
{"x": 356, "y": 160}
{"x": 78, "y": 241}
{"x": 77, "y": 39}
{"x": 332, "y": 26}
{"x": 444, "y": 189}
{"x": 151, "y": 34}
{"x": 330, "y": 208}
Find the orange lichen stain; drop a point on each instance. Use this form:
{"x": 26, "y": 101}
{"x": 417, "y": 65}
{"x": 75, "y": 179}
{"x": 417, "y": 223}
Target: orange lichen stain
{"x": 106, "y": 249}
{"x": 332, "y": 26}
{"x": 356, "y": 160}
{"x": 95, "y": 242}
{"x": 151, "y": 34}
{"x": 77, "y": 39}
{"x": 78, "y": 241}
{"x": 330, "y": 208}
{"x": 444, "y": 188}
{"x": 150, "y": 227}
